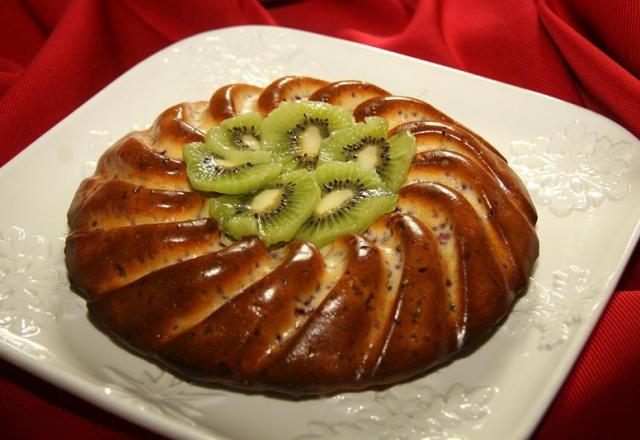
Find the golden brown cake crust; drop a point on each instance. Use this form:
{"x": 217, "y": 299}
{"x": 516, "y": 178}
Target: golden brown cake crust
{"x": 419, "y": 286}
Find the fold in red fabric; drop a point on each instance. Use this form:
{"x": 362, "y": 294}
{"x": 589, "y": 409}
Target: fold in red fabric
{"x": 55, "y": 54}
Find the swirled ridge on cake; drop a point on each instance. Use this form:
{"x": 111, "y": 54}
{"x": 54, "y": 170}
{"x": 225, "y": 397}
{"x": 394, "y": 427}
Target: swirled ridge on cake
{"x": 419, "y": 286}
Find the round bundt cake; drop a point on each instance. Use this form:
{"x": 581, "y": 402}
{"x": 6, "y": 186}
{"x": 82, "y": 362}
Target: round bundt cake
{"x": 428, "y": 278}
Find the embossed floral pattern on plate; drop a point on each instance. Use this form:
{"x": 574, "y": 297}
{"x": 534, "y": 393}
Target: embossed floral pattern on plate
{"x": 158, "y": 391}
{"x": 31, "y": 271}
{"x": 402, "y": 414}
{"x": 573, "y": 170}
{"x": 218, "y": 57}
{"x": 552, "y": 311}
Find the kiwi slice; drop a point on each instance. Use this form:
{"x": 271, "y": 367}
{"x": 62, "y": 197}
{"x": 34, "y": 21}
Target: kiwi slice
{"x": 352, "y": 198}
{"x": 295, "y": 131}
{"x": 367, "y": 143}
{"x": 234, "y": 172}
{"x": 274, "y": 212}
{"x": 239, "y": 133}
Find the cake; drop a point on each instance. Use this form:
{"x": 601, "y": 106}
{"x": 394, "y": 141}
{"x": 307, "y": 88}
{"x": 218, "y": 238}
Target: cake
{"x": 425, "y": 281}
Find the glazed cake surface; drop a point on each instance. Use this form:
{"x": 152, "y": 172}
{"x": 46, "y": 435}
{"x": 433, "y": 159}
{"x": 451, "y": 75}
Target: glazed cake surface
{"x": 419, "y": 286}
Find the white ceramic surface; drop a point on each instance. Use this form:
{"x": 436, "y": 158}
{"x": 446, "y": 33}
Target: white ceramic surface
{"x": 583, "y": 171}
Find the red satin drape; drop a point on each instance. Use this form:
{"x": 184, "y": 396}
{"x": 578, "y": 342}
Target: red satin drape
{"x": 55, "y": 54}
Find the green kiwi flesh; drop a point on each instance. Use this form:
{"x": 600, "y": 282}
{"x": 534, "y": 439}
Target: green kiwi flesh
{"x": 352, "y": 198}
{"x": 239, "y": 133}
{"x": 274, "y": 212}
{"x": 295, "y": 131}
{"x": 234, "y": 172}
{"x": 367, "y": 144}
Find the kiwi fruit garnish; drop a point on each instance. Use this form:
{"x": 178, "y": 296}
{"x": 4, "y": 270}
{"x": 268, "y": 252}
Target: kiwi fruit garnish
{"x": 239, "y": 133}
{"x": 295, "y": 131}
{"x": 352, "y": 197}
{"x": 306, "y": 171}
{"x": 228, "y": 172}
{"x": 368, "y": 144}
{"x": 274, "y": 212}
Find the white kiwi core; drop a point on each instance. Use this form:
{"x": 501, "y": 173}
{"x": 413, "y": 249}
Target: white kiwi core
{"x": 267, "y": 200}
{"x": 250, "y": 141}
{"x": 333, "y": 200}
{"x": 368, "y": 157}
{"x": 226, "y": 163}
{"x": 310, "y": 140}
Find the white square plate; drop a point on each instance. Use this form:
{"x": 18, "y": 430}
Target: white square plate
{"x": 582, "y": 169}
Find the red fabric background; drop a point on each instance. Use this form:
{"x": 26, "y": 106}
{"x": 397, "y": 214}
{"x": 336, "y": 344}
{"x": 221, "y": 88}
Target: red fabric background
{"x": 55, "y": 54}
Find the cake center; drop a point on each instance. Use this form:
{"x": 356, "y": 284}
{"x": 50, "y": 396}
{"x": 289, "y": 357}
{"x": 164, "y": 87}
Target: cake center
{"x": 306, "y": 171}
